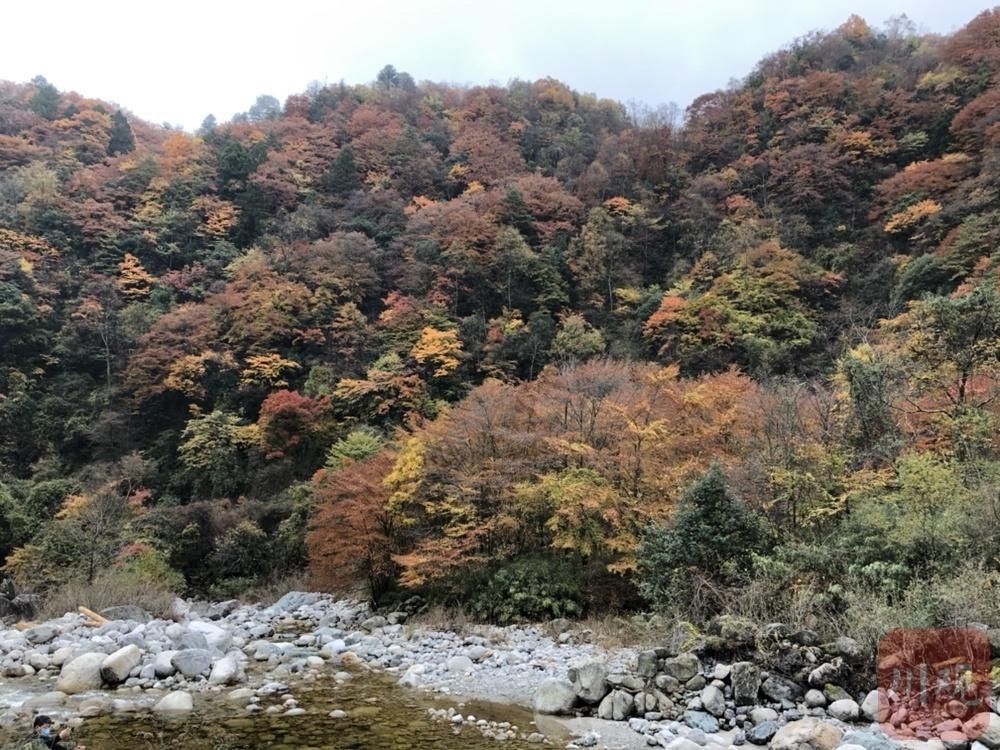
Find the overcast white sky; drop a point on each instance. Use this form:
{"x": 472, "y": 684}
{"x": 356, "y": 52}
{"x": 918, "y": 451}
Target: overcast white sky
{"x": 177, "y": 61}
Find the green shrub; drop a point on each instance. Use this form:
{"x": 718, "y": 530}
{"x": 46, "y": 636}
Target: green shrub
{"x": 243, "y": 552}
{"x": 528, "y": 589}
{"x": 358, "y": 445}
{"x": 708, "y": 545}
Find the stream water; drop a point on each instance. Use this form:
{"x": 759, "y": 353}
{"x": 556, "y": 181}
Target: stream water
{"x": 380, "y": 716}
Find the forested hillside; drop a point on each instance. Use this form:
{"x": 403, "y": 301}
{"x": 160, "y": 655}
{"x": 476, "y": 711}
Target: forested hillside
{"x": 485, "y": 343}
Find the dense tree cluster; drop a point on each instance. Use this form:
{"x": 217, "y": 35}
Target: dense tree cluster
{"x": 399, "y": 331}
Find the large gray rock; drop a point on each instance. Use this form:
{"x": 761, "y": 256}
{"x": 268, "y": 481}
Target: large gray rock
{"x": 807, "y": 734}
{"x": 178, "y": 701}
{"x": 617, "y": 705}
{"x": 554, "y": 696}
{"x": 985, "y": 728}
{"x": 590, "y": 680}
{"x": 163, "y": 665}
{"x": 953, "y": 740}
{"x": 186, "y": 639}
{"x": 667, "y": 684}
{"x": 760, "y": 714}
{"x": 701, "y": 720}
{"x": 220, "y": 609}
{"x": 293, "y": 600}
{"x": 40, "y": 634}
{"x": 844, "y": 709}
{"x": 60, "y": 656}
{"x": 713, "y": 700}
{"x": 696, "y": 683}
{"x": 179, "y": 610}
{"x": 116, "y": 667}
{"x": 870, "y": 707}
{"x": 761, "y": 734}
{"x": 682, "y": 667}
{"x": 460, "y": 664}
{"x": 646, "y": 664}
{"x": 815, "y": 698}
{"x": 216, "y": 636}
{"x": 868, "y": 740}
{"x": 81, "y": 674}
{"x": 225, "y": 671}
{"x": 745, "y": 679}
{"x": 374, "y": 623}
{"x": 780, "y": 689}
{"x": 192, "y": 662}
{"x": 846, "y": 647}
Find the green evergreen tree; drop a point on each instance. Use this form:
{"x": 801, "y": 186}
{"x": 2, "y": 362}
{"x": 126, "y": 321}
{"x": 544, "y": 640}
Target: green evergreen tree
{"x": 207, "y": 125}
{"x": 122, "y": 139}
{"x": 712, "y": 537}
{"x": 515, "y": 214}
{"x": 342, "y": 176}
{"x": 45, "y": 101}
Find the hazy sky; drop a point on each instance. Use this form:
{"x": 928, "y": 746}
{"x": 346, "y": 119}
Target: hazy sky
{"x": 177, "y": 61}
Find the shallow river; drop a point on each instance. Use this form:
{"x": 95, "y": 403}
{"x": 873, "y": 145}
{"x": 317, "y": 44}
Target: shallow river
{"x": 380, "y": 716}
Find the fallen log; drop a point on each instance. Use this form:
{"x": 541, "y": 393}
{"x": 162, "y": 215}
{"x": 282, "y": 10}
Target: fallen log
{"x": 93, "y": 620}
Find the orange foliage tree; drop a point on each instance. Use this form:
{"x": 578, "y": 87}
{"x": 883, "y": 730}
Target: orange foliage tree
{"x": 351, "y": 530}
{"x": 579, "y": 461}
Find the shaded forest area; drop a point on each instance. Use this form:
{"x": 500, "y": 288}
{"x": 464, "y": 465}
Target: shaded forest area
{"x": 519, "y": 348}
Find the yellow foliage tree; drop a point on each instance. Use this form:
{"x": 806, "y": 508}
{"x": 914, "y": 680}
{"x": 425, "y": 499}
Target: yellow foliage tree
{"x": 217, "y": 216}
{"x": 438, "y": 349}
{"x": 133, "y": 280}
{"x": 186, "y": 375}
{"x": 267, "y": 370}
{"x": 908, "y": 218}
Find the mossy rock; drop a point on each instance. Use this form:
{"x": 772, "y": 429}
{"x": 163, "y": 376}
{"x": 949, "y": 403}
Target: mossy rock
{"x": 733, "y": 633}
{"x": 683, "y": 637}
{"x": 994, "y": 674}
{"x": 835, "y": 693}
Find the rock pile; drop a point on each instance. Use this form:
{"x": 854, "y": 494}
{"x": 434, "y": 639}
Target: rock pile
{"x": 733, "y": 685}
{"x": 785, "y": 690}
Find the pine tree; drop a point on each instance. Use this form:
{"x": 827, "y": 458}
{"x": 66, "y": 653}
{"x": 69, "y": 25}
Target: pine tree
{"x": 712, "y": 536}
{"x": 45, "y": 101}
{"x": 122, "y": 139}
{"x": 342, "y": 176}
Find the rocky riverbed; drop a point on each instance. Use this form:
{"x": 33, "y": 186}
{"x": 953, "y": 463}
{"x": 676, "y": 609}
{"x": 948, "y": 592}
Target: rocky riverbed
{"x": 262, "y": 674}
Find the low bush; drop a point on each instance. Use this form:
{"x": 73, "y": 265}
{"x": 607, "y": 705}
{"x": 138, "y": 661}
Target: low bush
{"x": 528, "y": 589}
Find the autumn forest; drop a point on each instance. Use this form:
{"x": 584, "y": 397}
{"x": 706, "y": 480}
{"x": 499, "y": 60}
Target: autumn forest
{"x": 519, "y": 349}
